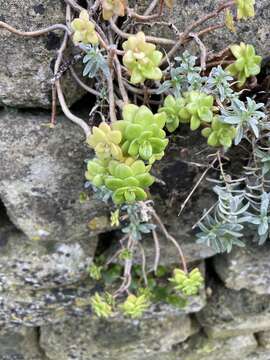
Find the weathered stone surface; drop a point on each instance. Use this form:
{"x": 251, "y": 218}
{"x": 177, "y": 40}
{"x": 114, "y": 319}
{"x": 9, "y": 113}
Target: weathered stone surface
{"x": 254, "y": 31}
{"x": 259, "y": 355}
{"x": 36, "y": 308}
{"x": 231, "y": 313}
{"x": 264, "y": 339}
{"x": 117, "y": 338}
{"x": 199, "y": 347}
{"x": 27, "y": 64}
{"x": 20, "y": 344}
{"x": 246, "y": 268}
{"x": 42, "y": 176}
{"x": 28, "y": 265}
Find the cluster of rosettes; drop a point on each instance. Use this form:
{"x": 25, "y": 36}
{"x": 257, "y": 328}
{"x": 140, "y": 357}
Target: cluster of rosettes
{"x": 141, "y": 59}
{"x": 245, "y": 9}
{"x": 219, "y": 134}
{"x": 247, "y": 63}
{"x": 84, "y": 30}
{"x": 125, "y": 152}
{"x": 188, "y": 284}
{"x": 113, "y": 7}
{"x": 195, "y": 108}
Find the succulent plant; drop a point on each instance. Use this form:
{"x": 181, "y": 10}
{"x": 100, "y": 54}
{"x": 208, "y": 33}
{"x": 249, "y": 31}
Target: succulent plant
{"x": 245, "y": 117}
{"x": 141, "y": 59}
{"x": 135, "y": 306}
{"x": 97, "y": 171}
{"x": 84, "y": 30}
{"x": 200, "y": 107}
{"x": 189, "y": 284}
{"x": 245, "y": 9}
{"x": 175, "y": 111}
{"x": 113, "y": 7}
{"x": 128, "y": 180}
{"x": 247, "y": 63}
{"x": 219, "y": 134}
{"x": 100, "y": 306}
{"x": 142, "y": 133}
{"x": 105, "y": 141}
{"x": 95, "y": 272}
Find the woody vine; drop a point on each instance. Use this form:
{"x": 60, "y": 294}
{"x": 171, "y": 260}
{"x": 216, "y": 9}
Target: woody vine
{"x": 144, "y": 93}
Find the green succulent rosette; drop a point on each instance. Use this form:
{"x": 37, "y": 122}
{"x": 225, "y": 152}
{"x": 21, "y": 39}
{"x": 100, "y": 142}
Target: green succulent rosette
{"x": 113, "y": 7}
{"x": 247, "y": 63}
{"x": 84, "y": 30}
{"x": 128, "y": 180}
{"x": 141, "y": 59}
{"x": 188, "y": 284}
{"x": 176, "y": 112}
{"x": 135, "y": 306}
{"x": 142, "y": 132}
{"x": 97, "y": 171}
{"x": 219, "y": 134}
{"x": 200, "y": 107}
{"x": 105, "y": 141}
{"x": 100, "y": 306}
{"x": 245, "y": 9}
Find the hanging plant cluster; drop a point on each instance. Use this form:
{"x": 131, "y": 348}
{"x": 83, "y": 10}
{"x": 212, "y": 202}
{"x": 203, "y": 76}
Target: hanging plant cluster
{"x": 143, "y": 94}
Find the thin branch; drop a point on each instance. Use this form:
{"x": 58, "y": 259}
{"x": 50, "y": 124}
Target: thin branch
{"x": 157, "y": 250}
{"x": 152, "y": 39}
{"x": 82, "y": 84}
{"x": 110, "y": 88}
{"x": 196, "y": 185}
{"x": 120, "y": 80}
{"x": 219, "y": 62}
{"x": 60, "y": 94}
{"x": 184, "y": 36}
{"x": 54, "y": 98}
{"x": 172, "y": 239}
{"x": 202, "y": 50}
{"x": 210, "y": 29}
{"x": 131, "y": 13}
{"x": 143, "y": 264}
{"x": 208, "y": 17}
{"x": 36, "y": 32}
{"x": 138, "y": 91}
{"x": 127, "y": 270}
{"x": 204, "y": 215}
{"x": 151, "y": 7}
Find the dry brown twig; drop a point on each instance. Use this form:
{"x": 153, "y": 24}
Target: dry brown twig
{"x": 157, "y": 250}
{"x": 34, "y": 33}
{"x": 196, "y": 186}
{"x": 170, "y": 238}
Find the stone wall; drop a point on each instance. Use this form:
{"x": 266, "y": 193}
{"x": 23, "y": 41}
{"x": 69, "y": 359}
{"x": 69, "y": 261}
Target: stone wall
{"x": 48, "y": 237}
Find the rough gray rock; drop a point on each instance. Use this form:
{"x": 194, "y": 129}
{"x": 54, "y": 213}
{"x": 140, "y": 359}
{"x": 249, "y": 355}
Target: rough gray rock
{"x": 259, "y": 355}
{"x": 199, "y": 347}
{"x": 255, "y": 31}
{"x": 246, "y": 268}
{"x": 42, "y": 176}
{"x": 117, "y": 338}
{"x": 29, "y": 265}
{"x": 53, "y": 305}
{"x": 231, "y": 313}
{"x": 26, "y": 67}
{"x": 264, "y": 339}
{"x": 20, "y": 344}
